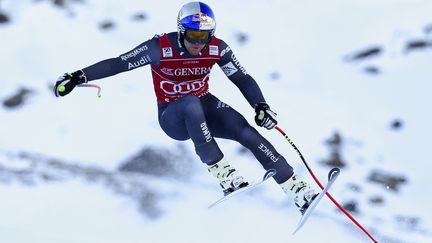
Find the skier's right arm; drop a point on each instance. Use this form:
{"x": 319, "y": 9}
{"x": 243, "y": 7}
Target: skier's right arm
{"x": 144, "y": 54}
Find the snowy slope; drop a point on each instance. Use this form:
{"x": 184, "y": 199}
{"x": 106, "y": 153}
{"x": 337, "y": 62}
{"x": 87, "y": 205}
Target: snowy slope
{"x": 317, "y": 93}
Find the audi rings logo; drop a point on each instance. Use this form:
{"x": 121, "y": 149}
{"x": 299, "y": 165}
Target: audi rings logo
{"x": 186, "y": 87}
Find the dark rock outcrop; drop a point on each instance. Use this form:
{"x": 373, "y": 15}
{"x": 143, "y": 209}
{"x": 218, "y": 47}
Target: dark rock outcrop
{"x": 17, "y": 99}
{"x": 387, "y": 180}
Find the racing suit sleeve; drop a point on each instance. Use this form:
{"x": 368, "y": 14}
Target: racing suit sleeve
{"x": 238, "y": 75}
{"x": 144, "y": 54}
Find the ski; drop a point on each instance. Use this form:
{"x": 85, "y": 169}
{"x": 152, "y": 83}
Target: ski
{"x": 267, "y": 175}
{"x": 333, "y": 174}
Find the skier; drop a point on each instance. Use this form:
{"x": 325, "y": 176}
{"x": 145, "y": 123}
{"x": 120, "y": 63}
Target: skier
{"x": 180, "y": 64}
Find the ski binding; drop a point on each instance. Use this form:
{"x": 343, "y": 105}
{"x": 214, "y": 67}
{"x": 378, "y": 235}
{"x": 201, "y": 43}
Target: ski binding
{"x": 333, "y": 174}
{"x": 270, "y": 173}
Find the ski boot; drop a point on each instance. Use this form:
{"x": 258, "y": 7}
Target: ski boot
{"x": 300, "y": 191}
{"x": 228, "y": 177}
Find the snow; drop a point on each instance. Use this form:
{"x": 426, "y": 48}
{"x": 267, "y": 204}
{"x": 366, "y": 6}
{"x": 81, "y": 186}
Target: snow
{"x": 317, "y": 93}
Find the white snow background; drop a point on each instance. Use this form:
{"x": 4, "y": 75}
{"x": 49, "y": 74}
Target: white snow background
{"x": 302, "y": 42}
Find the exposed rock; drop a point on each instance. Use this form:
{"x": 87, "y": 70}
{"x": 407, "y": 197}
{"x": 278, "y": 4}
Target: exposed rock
{"x": 4, "y": 18}
{"x": 160, "y": 162}
{"x": 334, "y": 160}
{"x": 389, "y": 239}
{"x": 351, "y": 206}
{"x": 140, "y": 16}
{"x": 389, "y": 181}
{"x": 148, "y": 205}
{"x": 106, "y": 25}
{"x": 428, "y": 29}
{"x": 417, "y": 45}
{"x": 335, "y": 141}
{"x": 64, "y": 3}
{"x": 374, "y": 70}
{"x": 242, "y": 38}
{"x": 334, "y": 144}
{"x": 17, "y": 99}
{"x": 275, "y": 75}
{"x": 377, "y": 200}
{"x": 367, "y": 53}
{"x": 396, "y": 124}
{"x": 60, "y": 3}
{"x": 36, "y": 169}
{"x": 408, "y": 222}
{"x": 354, "y": 187}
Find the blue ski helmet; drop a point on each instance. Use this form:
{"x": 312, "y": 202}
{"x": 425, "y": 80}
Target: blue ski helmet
{"x": 196, "y": 16}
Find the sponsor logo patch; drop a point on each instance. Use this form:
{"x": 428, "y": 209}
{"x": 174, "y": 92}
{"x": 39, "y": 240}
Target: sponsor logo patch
{"x": 206, "y": 132}
{"x": 186, "y": 87}
{"x": 268, "y": 153}
{"x": 143, "y": 61}
{"x": 168, "y": 71}
{"x": 237, "y": 63}
{"x": 214, "y": 50}
{"x": 229, "y": 69}
{"x": 222, "y": 105}
{"x": 225, "y": 51}
{"x": 167, "y": 52}
{"x": 134, "y": 53}
{"x": 191, "y": 71}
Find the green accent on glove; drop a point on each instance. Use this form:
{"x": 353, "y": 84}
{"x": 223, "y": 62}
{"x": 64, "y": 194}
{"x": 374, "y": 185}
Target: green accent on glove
{"x": 261, "y": 116}
{"x": 61, "y": 88}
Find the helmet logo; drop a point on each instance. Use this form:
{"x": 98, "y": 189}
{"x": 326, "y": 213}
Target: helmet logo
{"x": 203, "y": 19}
{"x": 196, "y": 16}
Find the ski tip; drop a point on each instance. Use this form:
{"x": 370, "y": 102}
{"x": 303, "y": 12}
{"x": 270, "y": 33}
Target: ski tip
{"x": 333, "y": 173}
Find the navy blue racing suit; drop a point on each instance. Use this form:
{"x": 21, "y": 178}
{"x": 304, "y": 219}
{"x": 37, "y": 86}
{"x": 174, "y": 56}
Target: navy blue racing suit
{"x": 201, "y": 118}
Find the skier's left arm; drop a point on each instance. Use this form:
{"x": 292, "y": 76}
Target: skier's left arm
{"x": 264, "y": 116}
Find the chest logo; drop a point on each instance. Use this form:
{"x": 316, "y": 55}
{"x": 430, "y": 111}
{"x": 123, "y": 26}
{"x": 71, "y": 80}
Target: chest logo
{"x": 214, "y": 50}
{"x": 167, "y": 52}
{"x": 168, "y": 71}
{"x": 186, "y": 87}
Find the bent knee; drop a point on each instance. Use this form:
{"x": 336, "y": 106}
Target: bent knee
{"x": 247, "y": 132}
{"x": 178, "y": 136}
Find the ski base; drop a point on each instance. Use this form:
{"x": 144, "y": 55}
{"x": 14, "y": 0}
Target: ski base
{"x": 333, "y": 174}
{"x": 267, "y": 175}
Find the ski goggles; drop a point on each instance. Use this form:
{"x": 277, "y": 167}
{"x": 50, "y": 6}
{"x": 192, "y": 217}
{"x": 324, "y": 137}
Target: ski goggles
{"x": 197, "y": 37}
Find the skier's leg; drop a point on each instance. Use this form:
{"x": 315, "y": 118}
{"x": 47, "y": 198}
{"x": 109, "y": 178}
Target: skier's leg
{"x": 225, "y": 122}
{"x": 183, "y": 119}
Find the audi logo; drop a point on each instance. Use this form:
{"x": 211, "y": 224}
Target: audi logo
{"x": 171, "y": 88}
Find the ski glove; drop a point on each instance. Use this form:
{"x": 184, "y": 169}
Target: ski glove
{"x": 67, "y": 82}
{"x": 265, "y": 117}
